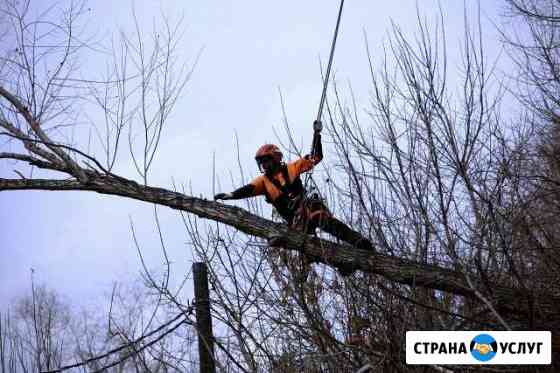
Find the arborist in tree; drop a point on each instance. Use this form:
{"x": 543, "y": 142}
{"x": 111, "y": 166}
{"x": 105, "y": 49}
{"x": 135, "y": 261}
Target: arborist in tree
{"x": 283, "y": 188}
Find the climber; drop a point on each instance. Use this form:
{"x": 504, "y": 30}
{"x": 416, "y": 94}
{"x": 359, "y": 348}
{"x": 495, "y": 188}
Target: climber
{"x": 282, "y": 186}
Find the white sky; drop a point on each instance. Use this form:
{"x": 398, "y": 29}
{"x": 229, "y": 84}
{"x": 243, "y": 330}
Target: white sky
{"x": 80, "y": 243}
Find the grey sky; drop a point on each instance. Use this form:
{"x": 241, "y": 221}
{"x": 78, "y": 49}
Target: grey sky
{"x": 79, "y": 243}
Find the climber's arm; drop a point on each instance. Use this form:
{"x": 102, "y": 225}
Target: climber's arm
{"x": 317, "y": 149}
{"x": 309, "y": 161}
{"x": 254, "y": 188}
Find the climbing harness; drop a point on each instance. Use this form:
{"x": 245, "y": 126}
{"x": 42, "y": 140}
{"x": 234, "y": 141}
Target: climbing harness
{"x": 291, "y": 193}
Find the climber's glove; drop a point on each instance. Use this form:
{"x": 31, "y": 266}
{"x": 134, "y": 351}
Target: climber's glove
{"x": 223, "y": 196}
{"x": 317, "y": 126}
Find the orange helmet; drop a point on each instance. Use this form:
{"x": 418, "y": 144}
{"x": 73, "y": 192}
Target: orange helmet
{"x": 269, "y": 150}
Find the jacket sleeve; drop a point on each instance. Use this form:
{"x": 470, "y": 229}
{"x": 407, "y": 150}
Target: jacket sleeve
{"x": 309, "y": 161}
{"x": 245, "y": 191}
{"x": 317, "y": 149}
{"x": 254, "y": 188}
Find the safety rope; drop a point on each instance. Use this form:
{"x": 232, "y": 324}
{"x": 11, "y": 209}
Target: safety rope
{"x": 309, "y": 175}
{"x": 326, "y": 81}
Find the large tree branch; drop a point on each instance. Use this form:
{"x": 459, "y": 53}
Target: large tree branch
{"x": 392, "y": 268}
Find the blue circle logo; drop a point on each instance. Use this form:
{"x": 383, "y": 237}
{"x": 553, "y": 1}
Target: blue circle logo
{"x": 484, "y": 347}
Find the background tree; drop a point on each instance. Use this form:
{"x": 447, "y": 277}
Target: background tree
{"x": 43, "y": 332}
{"x": 435, "y": 175}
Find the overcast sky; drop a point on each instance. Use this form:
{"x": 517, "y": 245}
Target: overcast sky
{"x": 80, "y": 243}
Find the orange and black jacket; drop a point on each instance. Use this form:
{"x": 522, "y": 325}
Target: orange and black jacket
{"x": 284, "y": 188}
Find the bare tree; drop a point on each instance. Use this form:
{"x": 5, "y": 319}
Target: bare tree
{"x": 34, "y": 335}
{"x": 44, "y": 333}
{"x": 534, "y": 48}
{"x": 432, "y": 175}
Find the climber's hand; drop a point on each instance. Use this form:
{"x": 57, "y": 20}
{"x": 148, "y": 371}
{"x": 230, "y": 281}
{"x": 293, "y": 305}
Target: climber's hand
{"x": 317, "y": 126}
{"x": 222, "y": 196}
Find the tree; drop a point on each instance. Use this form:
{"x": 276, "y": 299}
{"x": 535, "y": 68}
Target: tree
{"x": 34, "y": 337}
{"x": 43, "y": 332}
{"x": 441, "y": 189}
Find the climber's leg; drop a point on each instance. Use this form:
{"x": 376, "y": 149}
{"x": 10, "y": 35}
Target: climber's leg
{"x": 341, "y": 231}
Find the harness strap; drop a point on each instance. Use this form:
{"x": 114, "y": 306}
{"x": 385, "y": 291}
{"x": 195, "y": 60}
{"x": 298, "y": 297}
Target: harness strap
{"x": 285, "y": 189}
{"x": 291, "y": 194}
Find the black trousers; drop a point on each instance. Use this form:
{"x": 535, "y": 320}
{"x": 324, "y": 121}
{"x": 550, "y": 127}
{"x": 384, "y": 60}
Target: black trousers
{"x": 338, "y": 229}
{"x": 313, "y": 214}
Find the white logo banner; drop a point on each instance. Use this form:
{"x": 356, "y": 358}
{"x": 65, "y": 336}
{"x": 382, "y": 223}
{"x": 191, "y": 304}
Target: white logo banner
{"x": 478, "y": 347}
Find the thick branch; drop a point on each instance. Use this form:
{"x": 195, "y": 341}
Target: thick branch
{"x": 322, "y": 251}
